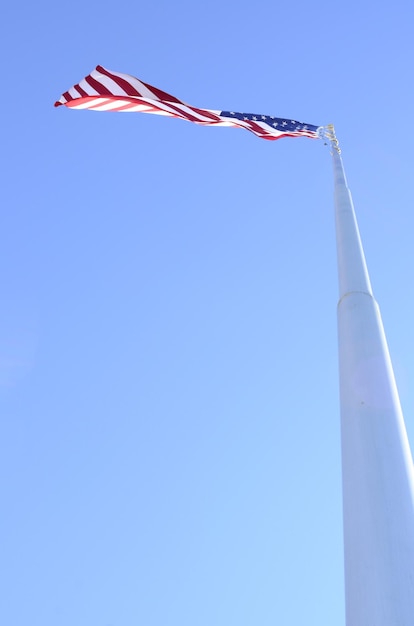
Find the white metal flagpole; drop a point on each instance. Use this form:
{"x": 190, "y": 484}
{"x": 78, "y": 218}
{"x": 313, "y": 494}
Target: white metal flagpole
{"x": 377, "y": 467}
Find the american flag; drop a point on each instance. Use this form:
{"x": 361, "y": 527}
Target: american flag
{"x": 104, "y": 90}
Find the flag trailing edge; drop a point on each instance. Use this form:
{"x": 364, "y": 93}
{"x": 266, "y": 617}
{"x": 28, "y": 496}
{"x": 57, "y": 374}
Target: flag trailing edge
{"x": 105, "y": 90}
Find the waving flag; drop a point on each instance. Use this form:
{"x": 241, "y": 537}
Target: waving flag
{"x": 104, "y": 90}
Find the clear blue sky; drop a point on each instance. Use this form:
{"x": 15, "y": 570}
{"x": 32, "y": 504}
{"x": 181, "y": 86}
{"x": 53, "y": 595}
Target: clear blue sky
{"x": 169, "y": 446}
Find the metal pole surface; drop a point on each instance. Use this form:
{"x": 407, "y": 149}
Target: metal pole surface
{"x": 377, "y": 467}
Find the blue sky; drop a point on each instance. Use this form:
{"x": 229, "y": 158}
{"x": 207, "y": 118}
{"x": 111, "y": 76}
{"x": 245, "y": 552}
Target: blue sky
{"x": 170, "y": 450}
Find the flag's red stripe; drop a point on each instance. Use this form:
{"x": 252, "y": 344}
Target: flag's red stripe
{"x": 81, "y": 91}
{"x": 163, "y": 95}
{"x": 207, "y": 113}
{"x": 191, "y": 118}
{"x": 90, "y": 99}
{"x": 99, "y": 87}
{"x": 131, "y": 91}
{"x": 76, "y": 102}
{"x": 124, "y": 84}
{"x": 255, "y": 128}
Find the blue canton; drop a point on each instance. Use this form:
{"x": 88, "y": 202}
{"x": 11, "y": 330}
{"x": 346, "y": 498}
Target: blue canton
{"x": 277, "y": 123}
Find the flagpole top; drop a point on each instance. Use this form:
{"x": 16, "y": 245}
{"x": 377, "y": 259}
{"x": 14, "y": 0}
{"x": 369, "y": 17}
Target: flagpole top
{"x": 329, "y": 134}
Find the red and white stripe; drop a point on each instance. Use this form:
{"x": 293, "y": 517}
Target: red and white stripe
{"x": 104, "y": 90}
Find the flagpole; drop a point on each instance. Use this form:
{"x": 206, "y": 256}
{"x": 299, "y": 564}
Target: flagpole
{"x": 377, "y": 467}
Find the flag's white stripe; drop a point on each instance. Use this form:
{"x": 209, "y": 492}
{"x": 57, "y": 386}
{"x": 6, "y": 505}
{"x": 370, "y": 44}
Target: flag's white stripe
{"x": 89, "y": 104}
{"x": 109, "y": 83}
{"x": 158, "y": 106}
{"x": 265, "y": 128}
{"x": 109, "y": 105}
{"x": 222, "y": 123}
{"x": 137, "y": 109}
{"x": 242, "y": 123}
{"x": 149, "y": 106}
{"x": 144, "y": 108}
{"x": 199, "y": 116}
{"x": 183, "y": 109}
{"x": 74, "y": 93}
{"x": 158, "y": 112}
{"x": 124, "y": 105}
{"x": 136, "y": 84}
{"x": 86, "y": 87}
{"x": 270, "y": 130}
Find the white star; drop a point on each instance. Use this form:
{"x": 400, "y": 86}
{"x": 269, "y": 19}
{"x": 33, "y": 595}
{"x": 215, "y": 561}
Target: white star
{"x": 284, "y": 123}
{"x": 255, "y": 118}
{"x": 275, "y": 124}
